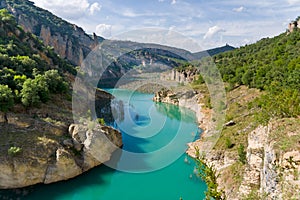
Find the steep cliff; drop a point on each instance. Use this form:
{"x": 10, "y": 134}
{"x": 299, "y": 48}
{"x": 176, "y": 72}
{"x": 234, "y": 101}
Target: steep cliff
{"x": 53, "y": 154}
{"x": 73, "y": 44}
{"x": 272, "y": 167}
{"x": 35, "y": 144}
{"x": 68, "y": 40}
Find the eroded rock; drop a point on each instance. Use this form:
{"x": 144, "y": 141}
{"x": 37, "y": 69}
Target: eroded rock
{"x": 53, "y": 160}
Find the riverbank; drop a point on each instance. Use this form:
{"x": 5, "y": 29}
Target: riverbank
{"x": 192, "y": 100}
{"x": 158, "y": 152}
{"x": 44, "y": 146}
{"x": 262, "y": 170}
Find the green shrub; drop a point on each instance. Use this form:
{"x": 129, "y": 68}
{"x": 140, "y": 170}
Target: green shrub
{"x": 55, "y": 81}
{"x": 34, "y": 91}
{"x": 13, "y": 151}
{"x": 228, "y": 143}
{"x": 208, "y": 174}
{"x": 6, "y": 98}
{"x": 101, "y": 121}
{"x": 242, "y": 154}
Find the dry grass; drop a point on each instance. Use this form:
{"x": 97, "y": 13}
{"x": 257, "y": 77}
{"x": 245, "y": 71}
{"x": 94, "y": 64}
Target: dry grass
{"x": 285, "y": 133}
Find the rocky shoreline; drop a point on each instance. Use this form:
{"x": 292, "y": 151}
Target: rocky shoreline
{"x": 61, "y": 157}
{"x": 188, "y": 99}
{"x": 269, "y": 171}
{"x": 44, "y": 146}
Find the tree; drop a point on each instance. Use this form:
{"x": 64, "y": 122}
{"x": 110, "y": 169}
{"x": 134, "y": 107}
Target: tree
{"x": 34, "y": 91}
{"x": 208, "y": 174}
{"x": 6, "y": 99}
{"x": 42, "y": 87}
{"x": 55, "y": 81}
{"x": 29, "y": 94}
{"x": 19, "y": 81}
{"x": 7, "y": 18}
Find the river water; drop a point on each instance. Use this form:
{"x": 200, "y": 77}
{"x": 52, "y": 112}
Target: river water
{"x": 156, "y": 135}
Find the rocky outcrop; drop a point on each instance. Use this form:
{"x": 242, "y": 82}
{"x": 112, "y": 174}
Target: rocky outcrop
{"x": 68, "y": 40}
{"x": 49, "y": 160}
{"x": 184, "y": 76}
{"x": 188, "y": 99}
{"x": 257, "y": 140}
{"x": 166, "y": 96}
{"x": 269, "y": 173}
{"x": 293, "y": 25}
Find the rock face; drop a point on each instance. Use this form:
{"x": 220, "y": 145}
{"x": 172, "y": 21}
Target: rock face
{"x": 166, "y": 96}
{"x": 276, "y": 174}
{"x": 68, "y": 40}
{"x": 184, "y": 76}
{"x": 257, "y": 140}
{"x": 269, "y": 172}
{"x": 187, "y": 99}
{"x": 293, "y": 25}
{"x": 54, "y": 161}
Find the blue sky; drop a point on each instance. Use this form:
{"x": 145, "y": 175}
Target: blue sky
{"x": 209, "y": 23}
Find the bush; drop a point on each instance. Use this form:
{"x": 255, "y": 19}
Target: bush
{"x": 208, "y": 174}
{"x": 55, "y": 81}
{"x": 91, "y": 125}
{"x": 34, "y": 91}
{"x": 13, "y": 151}
{"x": 101, "y": 121}
{"x": 6, "y": 98}
{"x": 242, "y": 154}
{"x": 228, "y": 143}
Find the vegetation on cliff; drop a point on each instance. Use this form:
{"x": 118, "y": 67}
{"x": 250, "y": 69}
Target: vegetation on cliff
{"x": 29, "y": 71}
{"x": 271, "y": 65}
{"x": 38, "y": 144}
{"x": 262, "y": 83}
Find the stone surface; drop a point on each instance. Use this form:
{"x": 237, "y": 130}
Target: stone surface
{"x": 40, "y": 166}
{"x": 275, "y": 174}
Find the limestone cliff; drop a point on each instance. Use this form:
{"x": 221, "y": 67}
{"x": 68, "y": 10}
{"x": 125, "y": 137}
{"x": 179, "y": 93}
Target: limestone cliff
{"x": 48, "y": 157}
{"x": 184, "y": 76}
{"x": 68, "y": 40}
{"x": 293, "y": 25}
{"x": 188, "y": 99}
{"x": 272, "y": 165}
{"x": 274, "y": 171}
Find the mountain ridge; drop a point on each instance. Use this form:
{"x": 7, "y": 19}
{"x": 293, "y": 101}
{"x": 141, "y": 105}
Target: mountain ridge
{"x": 71, "y": 42}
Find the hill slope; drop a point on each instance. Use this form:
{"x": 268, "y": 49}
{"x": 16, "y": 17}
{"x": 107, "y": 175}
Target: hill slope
{"x": 72, "y": 43}
{"x": 258, "y": 153}
{"x": 68, "y": 40}
{"x": 38, "y": 144}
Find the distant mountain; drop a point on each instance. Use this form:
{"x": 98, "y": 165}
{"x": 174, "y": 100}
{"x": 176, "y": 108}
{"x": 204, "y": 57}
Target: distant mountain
{"x": 68, "y": 40}
{"x": 212, "y": 52}
{"x": 73, "y": 44}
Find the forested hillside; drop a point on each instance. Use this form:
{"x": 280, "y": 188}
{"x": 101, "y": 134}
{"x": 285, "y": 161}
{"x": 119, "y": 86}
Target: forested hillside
{"x": 271, "y": 64}
{"x": 257, "y": 154}
{"x": 29, "y": 71}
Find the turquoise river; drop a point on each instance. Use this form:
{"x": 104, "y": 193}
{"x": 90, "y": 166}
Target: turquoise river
{"x": 158, "y": 134}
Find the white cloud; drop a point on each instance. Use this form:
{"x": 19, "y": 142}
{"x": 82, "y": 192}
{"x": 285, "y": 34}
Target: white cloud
{"x": 130, "y": 13}
{"x": 104, "y": 30}
{"x": 94, "y": 7}
{"x": 172, "y": 28}
{"x": 173, "y": 2}
{"x": 213, "y": 31}
{"x": 161, "y": 0}
{"x": 68, "y": 9}
{"x": 293, "y": 2}
{"x": 240, "y": 9}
